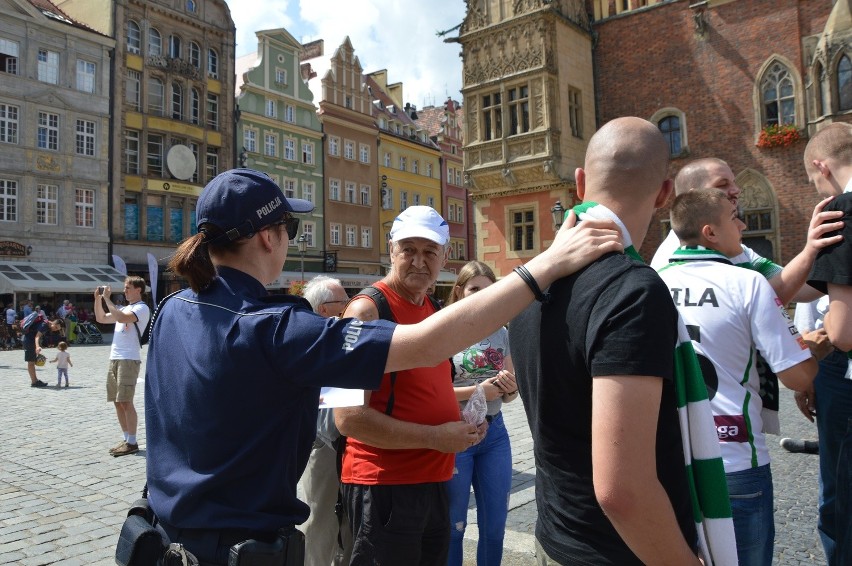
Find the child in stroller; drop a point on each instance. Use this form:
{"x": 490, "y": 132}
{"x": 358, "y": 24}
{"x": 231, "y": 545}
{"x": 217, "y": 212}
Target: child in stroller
{"x": 88, "y": 333}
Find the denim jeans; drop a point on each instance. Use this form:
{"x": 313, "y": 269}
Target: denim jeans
{"x": 488, "y": 467}
{"x": 834, "y": 409}
{"x": 754, "y": 523}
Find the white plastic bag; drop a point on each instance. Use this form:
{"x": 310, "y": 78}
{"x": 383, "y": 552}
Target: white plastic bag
{"x": 476, "y": 408}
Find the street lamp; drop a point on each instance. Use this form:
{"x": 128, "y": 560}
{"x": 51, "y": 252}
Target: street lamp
{"x": 302, "y": 242}
{"x": 558, "y": 213}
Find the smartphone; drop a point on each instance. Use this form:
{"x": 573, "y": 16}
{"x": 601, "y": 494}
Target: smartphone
{"x": 101, "y": 290}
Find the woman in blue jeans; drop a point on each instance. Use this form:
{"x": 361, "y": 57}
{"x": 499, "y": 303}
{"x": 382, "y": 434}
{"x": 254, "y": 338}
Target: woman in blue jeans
{"x": 488, "y": 465}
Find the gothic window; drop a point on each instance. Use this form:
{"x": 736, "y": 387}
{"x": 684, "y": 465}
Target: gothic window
{"x": 844, "y": 83}
{"x": 492, "y": 117}
{"x": 670, "y": 127}
{"x": 575, "y": 112}
{"x": 778, "y": 96}
{"x": 519, "y": 110}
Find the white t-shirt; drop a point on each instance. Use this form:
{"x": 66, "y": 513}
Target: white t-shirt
{"x": 62, "y": 359}
{"x": 125, "y": 340}
{"x": 731, "y": 311}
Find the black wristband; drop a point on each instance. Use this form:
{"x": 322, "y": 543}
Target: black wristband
{"x": 527, "y": 277}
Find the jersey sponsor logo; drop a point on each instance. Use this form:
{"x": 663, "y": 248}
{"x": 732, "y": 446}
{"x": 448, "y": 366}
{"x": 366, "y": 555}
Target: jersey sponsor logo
{"x": 706, "y": 297}
{"x": 801, "y": 342}
{"x": 353, "y": 332}
{"x": 269, "y": 207}
{"x": 731, "y": 428}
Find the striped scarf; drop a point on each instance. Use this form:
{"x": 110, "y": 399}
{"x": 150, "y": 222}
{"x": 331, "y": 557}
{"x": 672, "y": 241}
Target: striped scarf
{"x": 705, "y": 470}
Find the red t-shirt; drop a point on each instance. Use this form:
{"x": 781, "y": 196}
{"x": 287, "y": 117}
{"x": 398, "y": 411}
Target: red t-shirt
{"x": 421, "y": 395}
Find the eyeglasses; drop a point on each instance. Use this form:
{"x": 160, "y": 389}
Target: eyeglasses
{"x": 291, "y": 223}
{"x": 333, "y": 302}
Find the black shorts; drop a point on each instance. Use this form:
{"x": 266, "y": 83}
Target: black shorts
{"x": 399, "y": 524}
{"x": 29, "y": 354}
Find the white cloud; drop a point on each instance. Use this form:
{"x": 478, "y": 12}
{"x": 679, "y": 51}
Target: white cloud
{"x": 395, "y": 35}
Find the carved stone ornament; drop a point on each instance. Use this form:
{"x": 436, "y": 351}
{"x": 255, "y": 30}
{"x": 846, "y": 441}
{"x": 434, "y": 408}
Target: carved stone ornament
{"x": 510, "y": 51}
{"x": 177, "y": 66}
{"x": 48, "y": 163}
{"x": 756, "y": 191}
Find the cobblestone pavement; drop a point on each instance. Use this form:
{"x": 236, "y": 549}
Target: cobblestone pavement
{"x": 63, "y": 497}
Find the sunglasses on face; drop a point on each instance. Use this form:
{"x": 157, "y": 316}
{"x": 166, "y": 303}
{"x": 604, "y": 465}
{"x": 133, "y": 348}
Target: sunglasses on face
{"x": 292, "y": 225}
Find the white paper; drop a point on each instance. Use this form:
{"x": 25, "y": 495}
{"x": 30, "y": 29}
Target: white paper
{"x": 331, "y": 397}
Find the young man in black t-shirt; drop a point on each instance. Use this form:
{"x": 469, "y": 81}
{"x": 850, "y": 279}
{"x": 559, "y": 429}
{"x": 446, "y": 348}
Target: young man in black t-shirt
{"x": 595, "y": 371}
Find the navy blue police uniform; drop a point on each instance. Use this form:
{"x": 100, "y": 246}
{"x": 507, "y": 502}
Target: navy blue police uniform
{"x": 231, "y": 399}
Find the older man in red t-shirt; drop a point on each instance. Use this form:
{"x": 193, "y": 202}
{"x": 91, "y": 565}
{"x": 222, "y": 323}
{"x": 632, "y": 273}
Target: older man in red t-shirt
{"x": 402, "y": 441}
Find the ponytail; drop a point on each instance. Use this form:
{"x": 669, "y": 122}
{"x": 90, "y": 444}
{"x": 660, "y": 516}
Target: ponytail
{"x": 192, "y": 260}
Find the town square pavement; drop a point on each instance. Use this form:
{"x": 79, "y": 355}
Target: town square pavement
{"x": 63, "y": 497}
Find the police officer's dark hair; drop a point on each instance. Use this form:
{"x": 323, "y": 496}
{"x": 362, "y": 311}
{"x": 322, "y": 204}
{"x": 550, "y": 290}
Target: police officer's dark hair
{"x": 192, "y": 258}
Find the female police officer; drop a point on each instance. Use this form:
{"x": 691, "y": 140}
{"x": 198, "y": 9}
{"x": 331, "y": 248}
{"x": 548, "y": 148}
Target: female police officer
{"x": 233, "y": 375}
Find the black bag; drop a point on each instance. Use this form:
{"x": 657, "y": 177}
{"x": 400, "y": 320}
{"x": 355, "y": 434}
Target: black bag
{"x": 139, "y": 543}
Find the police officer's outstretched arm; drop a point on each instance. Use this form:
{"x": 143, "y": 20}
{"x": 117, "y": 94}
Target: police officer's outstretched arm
{"x": 452, "y": 329}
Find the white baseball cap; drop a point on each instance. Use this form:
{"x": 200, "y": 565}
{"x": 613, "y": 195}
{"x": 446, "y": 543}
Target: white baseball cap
{"x": 420, "y": 222}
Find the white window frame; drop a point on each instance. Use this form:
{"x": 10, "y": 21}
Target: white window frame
{"x": 366, "y": 237}
{"x": 364, "y": 153}
{"x": 154, "y": 159}
{"x": 133, "y": 89}
{"x": 8, "y": 200}
{"x": 308, "y": 153}
{"x": 9, "y": 123}
{"x": 351, "y": 235}
{"x": 85, "y": 137}
{"x": 271, "y": 109}
{"x": 387, "y": 199}
{"x": 290, "y": 113}
{"x": 349, "y": 191}
{"x": 334, "y": 189}
{"x": 403, "y": 200}
{"x": 84, "y": 207}
{"x": 156, "y": 91}
{"x": 86, "y": 73}
{"x": 281, "y": 76}
{"x": 270, "y": 144}
{"x": 250, "y": 139}
{"x": 131, "y": 152}
{"x": 212, "y": 64}
{"x": 349, "y": 150}
{"x": 48, "y": 131}
{"x": 155, "y": 42}
{"x": 290, "y": 149}
{"x": 194, "y": 54}
{"x": 334, "y": 146}
{"x": 288, "y": 187}
{"x": 134, "y": 37}
{"x": 308, "y": 190}
{"x": 48, "y": 66}
{"x": 308, "y": 230}
{"x": 47, "y": 204}
{"x": 366, "y": 198}
{"x": 388, "y": 159}
{"x": 334, "y": 233}
{"x": 212, "y": 111}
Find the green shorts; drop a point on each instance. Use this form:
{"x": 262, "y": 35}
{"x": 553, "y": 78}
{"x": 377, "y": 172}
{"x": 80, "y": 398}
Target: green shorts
{"x": 121, "y": 380}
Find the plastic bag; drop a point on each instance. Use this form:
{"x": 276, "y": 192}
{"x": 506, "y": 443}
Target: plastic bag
{"x": 476, "y": 408}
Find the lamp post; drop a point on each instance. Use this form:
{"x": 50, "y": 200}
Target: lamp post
{"x": 558, "y": 213}
{"x": 302, "y": 242}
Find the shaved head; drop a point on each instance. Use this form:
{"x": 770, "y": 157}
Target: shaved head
{"x": 833, "y": 142}
{"x": 626, "y": 159}
{"x": 696, "y": 174}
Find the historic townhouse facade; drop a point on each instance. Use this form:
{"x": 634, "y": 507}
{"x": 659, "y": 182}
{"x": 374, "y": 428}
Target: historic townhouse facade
{"x": 280, "y": 134}
{"x": 54, "y": 137}
{"x": 717, "y": 77}
{"x": 409, "y": 161}
{"x": 352, "y": 236}
{"x": 173, "y": 111}
{"x": 443, "y": 124}
{"x": 528, "y": 113}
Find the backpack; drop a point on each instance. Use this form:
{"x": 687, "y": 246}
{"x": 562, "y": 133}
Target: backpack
{"x": 32, "y": 320}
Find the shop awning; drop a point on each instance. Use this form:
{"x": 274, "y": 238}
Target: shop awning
{"x": 23, "y": 277}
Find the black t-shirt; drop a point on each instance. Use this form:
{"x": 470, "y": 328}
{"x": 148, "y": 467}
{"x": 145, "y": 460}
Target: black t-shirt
{"x": 615, "y": 317}
{"x": 834, "y": 263}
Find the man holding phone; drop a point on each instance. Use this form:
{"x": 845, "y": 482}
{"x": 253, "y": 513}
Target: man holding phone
{"x": 125, "y": 355}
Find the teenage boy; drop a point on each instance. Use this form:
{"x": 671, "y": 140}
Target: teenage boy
{"x": 731, "y": 312}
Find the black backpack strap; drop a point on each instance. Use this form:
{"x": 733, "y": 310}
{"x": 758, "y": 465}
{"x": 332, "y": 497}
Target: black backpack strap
{"x": 150, "y": 324}
{"x": 385, "y": 313}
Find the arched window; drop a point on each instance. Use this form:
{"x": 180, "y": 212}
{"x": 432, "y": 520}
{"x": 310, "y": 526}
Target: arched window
{"x": 212, "y": 64}
{"x": 778, "y": 96}
{"x": 194, "y": 55}
{"x": 670, "y": 127}
{"x": 134, "y": 37}
{"x": 177, "y": 101}
{"x": 174, "y": 47}
{"x": 155, "y": 42}
{"x": 672, "y": 123}
{"x": 844, "y": 83}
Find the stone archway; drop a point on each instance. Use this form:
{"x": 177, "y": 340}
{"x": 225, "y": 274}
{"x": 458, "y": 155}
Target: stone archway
{"x": 759, "y": 205}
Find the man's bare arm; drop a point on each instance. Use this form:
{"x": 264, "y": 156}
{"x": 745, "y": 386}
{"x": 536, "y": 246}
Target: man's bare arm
{"x": 624, "y": 468}
{"x": 838, "y": 320}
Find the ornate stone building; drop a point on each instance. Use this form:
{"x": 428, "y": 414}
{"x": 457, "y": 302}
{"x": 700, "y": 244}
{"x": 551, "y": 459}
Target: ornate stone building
{"x": 173, "y": 112}
{"x": 529, "y": 111}
{"x": 716, "y": 77}
{"x": 54, "y": 136}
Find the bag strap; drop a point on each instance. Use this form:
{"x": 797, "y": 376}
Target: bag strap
{"x": 385, "y": 313}
{"x": 153, "y": 316}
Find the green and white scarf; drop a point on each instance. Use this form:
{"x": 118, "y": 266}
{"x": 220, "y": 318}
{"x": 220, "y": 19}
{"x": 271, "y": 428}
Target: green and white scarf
{"x": 711, "y": 507}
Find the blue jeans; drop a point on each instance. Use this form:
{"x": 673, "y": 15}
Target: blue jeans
{"x": 754, "y": 522}
{"x": 488, "y": 467}
{"x": 834, "y": 409}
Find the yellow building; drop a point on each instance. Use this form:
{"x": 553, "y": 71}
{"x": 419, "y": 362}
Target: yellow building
{"x": 409, "y": 161}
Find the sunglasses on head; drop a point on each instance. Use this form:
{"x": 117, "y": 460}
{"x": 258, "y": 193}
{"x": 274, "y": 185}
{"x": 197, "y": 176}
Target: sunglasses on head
{"x": 291, "y": 223}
